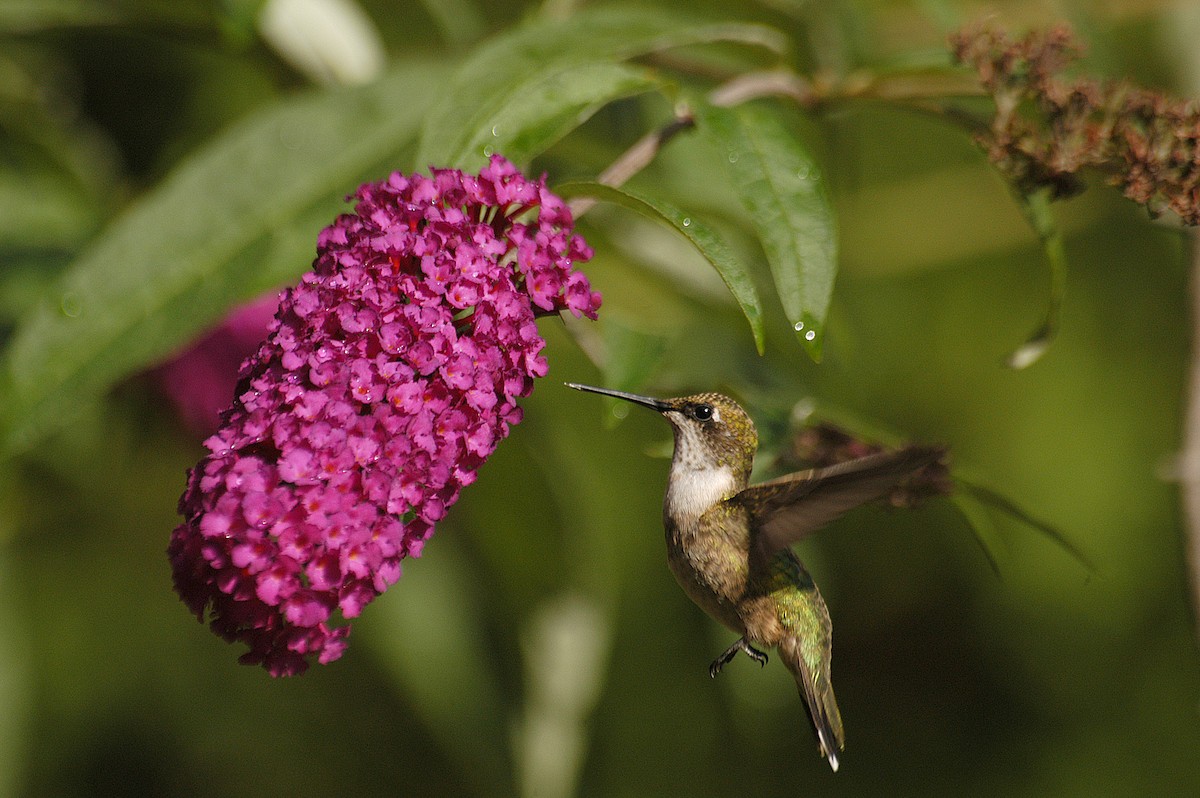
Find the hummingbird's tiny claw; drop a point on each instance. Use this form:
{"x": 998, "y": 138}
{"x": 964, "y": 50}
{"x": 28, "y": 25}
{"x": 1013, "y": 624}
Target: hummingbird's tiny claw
{"x": 728, "y": 654}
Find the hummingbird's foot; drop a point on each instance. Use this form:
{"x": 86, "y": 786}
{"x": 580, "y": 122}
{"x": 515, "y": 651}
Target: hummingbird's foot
{"x": 728, "y": 654}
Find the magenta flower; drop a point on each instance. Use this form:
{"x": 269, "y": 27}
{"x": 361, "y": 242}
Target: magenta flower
{"x": 389, "y": 375}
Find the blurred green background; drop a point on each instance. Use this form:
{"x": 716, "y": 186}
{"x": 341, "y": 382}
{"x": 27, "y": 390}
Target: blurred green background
{"x": 540, "y": 646}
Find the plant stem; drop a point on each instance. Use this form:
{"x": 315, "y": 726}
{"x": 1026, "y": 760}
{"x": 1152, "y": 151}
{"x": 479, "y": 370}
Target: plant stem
{"x": 636, "y": 158}
{"x": 1189, "y": 460}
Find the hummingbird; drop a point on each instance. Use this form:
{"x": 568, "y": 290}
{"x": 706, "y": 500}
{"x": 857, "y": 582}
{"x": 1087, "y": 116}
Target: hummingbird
{"x": 728, "y": 542}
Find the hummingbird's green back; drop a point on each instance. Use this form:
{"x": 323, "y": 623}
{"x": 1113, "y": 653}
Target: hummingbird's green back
{"x": 802, "y": 611}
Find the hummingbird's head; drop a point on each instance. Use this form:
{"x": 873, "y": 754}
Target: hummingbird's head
{"x": 711, "y": 430}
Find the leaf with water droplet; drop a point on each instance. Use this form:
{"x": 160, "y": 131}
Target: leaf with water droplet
{"x": 542, "y": 107}
{"x": 704, "y": 238}
{"x": 790, "y": 210}
{"x": 71, "y": 305}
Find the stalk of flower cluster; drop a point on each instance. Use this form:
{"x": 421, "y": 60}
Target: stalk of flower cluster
{"x": 388, "y": 377}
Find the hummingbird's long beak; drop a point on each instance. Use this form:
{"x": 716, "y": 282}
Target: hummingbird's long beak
{"x": 644, "y": 401}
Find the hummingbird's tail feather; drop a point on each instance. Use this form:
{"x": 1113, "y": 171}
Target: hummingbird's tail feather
{"x": 819, "y": 700}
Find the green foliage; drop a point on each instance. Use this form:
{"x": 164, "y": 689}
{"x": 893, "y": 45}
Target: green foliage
{"x": 558, "y": 62}
{"x": 236, "y": 218}
{"x": 779, "y": 183}
{"x": 706, "y": 241}
{"x": 1036, "y": 207}
{"x": 540, "y": 645}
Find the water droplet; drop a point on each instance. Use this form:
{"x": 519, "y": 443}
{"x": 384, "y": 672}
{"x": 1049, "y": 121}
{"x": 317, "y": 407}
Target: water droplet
{"x": 488, "y": 150}
{"x": 798, "y": 326}
{"x": 291, "y": 137}
{"x": 733, "y": 156}
{"x": 496, "y": 131}
{"x": 687, "y": 222}
{"x": 620, "y": 410}
{"x": 71, "y": 305}
{"x": 810, "y": 335}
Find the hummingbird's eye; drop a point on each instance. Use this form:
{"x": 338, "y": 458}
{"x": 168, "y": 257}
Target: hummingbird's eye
{"x": 702, "y": 412}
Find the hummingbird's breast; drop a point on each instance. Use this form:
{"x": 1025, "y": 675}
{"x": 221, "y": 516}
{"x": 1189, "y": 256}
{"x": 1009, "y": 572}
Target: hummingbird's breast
{"x": 709, "y": 555}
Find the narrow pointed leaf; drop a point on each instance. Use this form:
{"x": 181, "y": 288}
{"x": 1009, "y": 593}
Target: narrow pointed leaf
{"x": 982, "y": 528}
{"x": 539, "y": 109}
{"x": 239, "y": 216}
{"x": 527, "y": 54}
{"x": 704, "y": 238}
{"x": 1036, "y": 207}
{"x": 997, "y": 501}
{"x": 779, "y": 183}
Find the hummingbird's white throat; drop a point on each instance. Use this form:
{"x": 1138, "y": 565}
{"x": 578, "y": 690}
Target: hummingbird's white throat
{"x": 697, "y": 482}
{"x": 692, "y": 491}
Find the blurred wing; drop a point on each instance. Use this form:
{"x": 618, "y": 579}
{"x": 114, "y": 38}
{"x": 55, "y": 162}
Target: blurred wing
{"x": 790, "y": 508}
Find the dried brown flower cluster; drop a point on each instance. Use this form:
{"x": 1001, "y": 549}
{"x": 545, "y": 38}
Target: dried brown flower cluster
{"x": 1048, "y": 127}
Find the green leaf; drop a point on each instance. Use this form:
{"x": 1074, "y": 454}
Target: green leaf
{"x": 459, "y": 20}
{"x": 236, "y": 218}
{"x": 634, "y": 356}
{"x": 1036, "y": 207}
{"x": 981, "y": 527}
{"x": 996, "y": 501}
{"x": 17, "y": 668}
{"x": 546, "y": 106}
{"x": 462, "y": 700}
{"x": 40, "y": 209}
{"x": 57, "y": 177}
{"x": 704, "y": 238}
{"x": 534, "y": 52}
{"x": 27, "y": 16}
{"x": 36, "y": 16}
{"x": 780, "y": 185}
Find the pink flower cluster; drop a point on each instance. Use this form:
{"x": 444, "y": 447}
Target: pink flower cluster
{"x": 389, "y": 375}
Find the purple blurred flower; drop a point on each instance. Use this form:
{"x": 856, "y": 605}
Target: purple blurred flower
{"x": 200, "y": 380}
{"x": 389, "y": 375}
